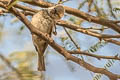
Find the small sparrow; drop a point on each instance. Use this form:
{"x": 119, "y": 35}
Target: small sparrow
{"x": 44, "y": 21}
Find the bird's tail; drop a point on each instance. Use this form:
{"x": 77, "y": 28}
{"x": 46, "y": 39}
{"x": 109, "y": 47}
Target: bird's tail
{"x": 41, "y": 63}
{"x": 40, "y": 46}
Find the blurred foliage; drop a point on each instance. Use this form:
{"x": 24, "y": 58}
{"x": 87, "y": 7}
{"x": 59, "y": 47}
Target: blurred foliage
{"x": 75, "y": 20}
{"x": 116, "y": 9}
{"x": 14, "y": 20}
{"x": 13, "y": 2}
{"x": 23, "y": 60}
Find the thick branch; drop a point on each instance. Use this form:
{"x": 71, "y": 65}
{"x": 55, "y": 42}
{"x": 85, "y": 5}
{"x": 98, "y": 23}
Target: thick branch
{"x": 61, "y": 50}
{"x": 80, "y": 14}
{"x": 70, "y": 25}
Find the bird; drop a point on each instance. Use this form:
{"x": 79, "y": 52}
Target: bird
{"x": 45, "y": 21}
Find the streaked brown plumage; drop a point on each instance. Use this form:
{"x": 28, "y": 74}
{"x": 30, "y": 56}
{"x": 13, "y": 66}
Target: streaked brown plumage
{"x": 44, "y": 21}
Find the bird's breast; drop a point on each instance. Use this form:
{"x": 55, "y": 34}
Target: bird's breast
{"x": 43, "y": 22}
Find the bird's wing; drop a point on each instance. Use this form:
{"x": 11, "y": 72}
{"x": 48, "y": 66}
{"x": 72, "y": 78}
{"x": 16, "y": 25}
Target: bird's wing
{"x": 45, "y": 24}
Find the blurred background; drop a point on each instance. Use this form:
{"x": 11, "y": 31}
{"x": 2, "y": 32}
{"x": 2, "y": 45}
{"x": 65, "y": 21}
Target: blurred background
{"x": 17, "y": 47}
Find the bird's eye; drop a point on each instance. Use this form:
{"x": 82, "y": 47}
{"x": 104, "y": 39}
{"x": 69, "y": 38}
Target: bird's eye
{"x": 55, "y": 11}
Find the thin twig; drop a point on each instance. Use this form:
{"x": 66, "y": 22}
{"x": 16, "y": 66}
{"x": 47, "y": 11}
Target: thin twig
{"x": 110, "y": 8}
{"x": 71, "y": 38}
{"x": 73, "y": 41}
{"x": 94, "y": 55}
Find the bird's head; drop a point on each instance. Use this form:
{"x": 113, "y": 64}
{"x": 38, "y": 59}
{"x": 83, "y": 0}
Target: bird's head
{"x": 56, "y": 12}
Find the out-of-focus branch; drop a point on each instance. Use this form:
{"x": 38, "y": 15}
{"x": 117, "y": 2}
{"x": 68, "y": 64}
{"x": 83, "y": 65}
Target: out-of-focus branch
{"x": 61, "y": 50}
{"x": 90, "y": 2}
{"x": 26, "y": 8}
{"x": 10, "y": 66}
{"x": 110, "y": 8}
{"x": 82, "y": 4}
{"x": 99, "y": 13}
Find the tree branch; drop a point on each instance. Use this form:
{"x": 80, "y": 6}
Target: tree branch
{"x": 61, "y": 50}
{"x": 70, "y": 25}
{"x": 94, "y": 55}
{"x": 71, "y": 38}
{"x": 79, "y": 14}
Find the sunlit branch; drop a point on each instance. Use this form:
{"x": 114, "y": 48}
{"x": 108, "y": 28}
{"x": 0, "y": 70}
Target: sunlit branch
{"x": 61, "y": 50}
